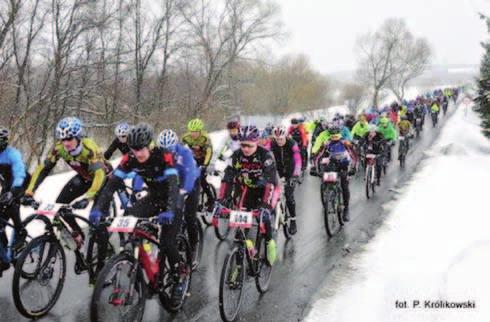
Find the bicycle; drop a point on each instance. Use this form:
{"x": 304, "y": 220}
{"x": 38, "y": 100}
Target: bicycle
{"x": 434, "y": 118}
{"x": 44, "y": 257}
{"x": 246, "y": 257}
{"x": 331, "y": 195}
{"x": 418, "y": 126}
{"x": 138, "y": 273}
{"x": 204, "y": 206}
{"x": 403, "y": 149}
{"x": 282, "y": 216}
{"x": 370, "y": 175}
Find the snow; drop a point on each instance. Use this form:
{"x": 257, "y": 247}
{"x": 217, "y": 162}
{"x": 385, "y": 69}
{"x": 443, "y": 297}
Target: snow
{"x": 434, "y": 244}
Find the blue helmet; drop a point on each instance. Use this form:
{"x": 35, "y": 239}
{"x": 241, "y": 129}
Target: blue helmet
{"x": 167, "y": 139}
{"x": 122, "y": 129}
{"x": 69, "y": 127}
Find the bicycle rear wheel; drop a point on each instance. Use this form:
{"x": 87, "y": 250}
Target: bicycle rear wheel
{"x": 231, "y": 284}
{"x": 120, "y": 291}
{"x": 39, "y": 276}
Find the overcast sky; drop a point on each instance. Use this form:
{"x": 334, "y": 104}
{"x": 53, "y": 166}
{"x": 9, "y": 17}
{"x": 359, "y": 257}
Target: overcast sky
{"x": 326, "y": 30}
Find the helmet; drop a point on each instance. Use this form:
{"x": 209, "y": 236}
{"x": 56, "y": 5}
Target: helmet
{"x": 372, "y": 128}
{"x": 294, "y": 121}
{"x": 249, "y": 133}
{"x": 4, "y": 138}
{"x": 167, "y": 138}
{"x": 233, "y": 125}
{"x": 338, "y": 123}
{"x": 69, "y": 127}
{"x": 266, "y": 132}
{"x": 140, "y": 136}
{"x": 279, "y": 131}
{"x": 301, "y": 119}
{"x": 195, "y": 125}
{"x": 122, "y": 129}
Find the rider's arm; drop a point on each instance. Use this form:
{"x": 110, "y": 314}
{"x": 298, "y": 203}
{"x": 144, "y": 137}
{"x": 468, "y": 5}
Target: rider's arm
{"x": 269, "y": 178}
{"x": 190, "y": 168}
{"x": 209, "y": 150}
{"x": 296, "y": 158}
{"x": 42, "y": 171}
{"x": 111, "y": 149}
{"x": 231, "y": 172}
{"x": 18, "y": 168}
{"x": 96, "y": 167}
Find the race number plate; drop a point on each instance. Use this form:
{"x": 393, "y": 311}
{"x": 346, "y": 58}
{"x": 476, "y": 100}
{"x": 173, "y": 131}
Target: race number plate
{"x": 123, "y": 224}
{"x": 241, "y": 219}
{"x": 370, "y": 156}
{"x": 330, "y": 177}
{"x": 401, "y": 138}
{"x": 48, "y": 209}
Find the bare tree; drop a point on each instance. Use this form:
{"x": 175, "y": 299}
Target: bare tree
{"x": 353, "y": 94}
{"x": 411, "y": 59}
{"x": 221, "y": 32}
{"x": 377, "y": 53}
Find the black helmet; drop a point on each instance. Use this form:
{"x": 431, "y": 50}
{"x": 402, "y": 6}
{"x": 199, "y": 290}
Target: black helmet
{"x": 4, "y": 138}
{"x": 140, "y": 136}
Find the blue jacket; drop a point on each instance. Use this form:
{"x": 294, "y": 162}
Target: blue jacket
{"x": 339, "y": 152}
{"x": 346, "y": 135}
{"x": 12, "y": 167}
{"x": 186, "y": 167}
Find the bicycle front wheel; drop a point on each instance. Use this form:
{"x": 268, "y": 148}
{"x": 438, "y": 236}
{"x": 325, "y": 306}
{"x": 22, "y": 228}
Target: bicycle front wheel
{"x": 231, "y": 284}
{"x": 120, "y": 291}
{"x": 39, "y": 276}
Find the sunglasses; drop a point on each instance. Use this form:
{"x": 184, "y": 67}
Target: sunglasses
{"x": 122, "y": 137}
{"x": 247, "y": 145}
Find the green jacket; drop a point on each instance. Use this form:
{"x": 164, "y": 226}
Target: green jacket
{"x": 388, "y": 132}
{"x": 322, "y": 138}
{"x": 360, "y": 129}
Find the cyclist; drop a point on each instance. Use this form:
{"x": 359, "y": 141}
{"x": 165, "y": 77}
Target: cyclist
{"x": 84, "y": 156}
{"x": 374, "y": 145}
{"x": 404, "y": 126}
{"x": 386, "y": 128}
{"x": 253, "y": 167}
{"x": 156, "y": 167}
{"x": 288, "y": 162}
{"x": 189, "y": 183}
{"x": 232, "y": 142}
{"x": 338, "y": 151}
{"x": 360, "y": 129}
{"x": 121, "y": 143}
{"x": 265, "y": 138}
{"x": 16, "y": 178}
{"x": 299, "y": 134}
{"x": 197, "y": 139}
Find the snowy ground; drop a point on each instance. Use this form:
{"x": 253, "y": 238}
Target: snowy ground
{"x": 434, "y": 245}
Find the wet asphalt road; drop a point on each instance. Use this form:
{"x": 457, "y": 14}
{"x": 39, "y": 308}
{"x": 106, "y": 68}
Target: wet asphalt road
{"x": 304, "y": 262}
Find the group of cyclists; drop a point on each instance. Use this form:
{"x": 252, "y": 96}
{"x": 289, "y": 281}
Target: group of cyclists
{"x": 173, "y": 170}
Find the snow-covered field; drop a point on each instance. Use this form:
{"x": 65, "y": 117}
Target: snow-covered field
{"x": 434, "y": 246}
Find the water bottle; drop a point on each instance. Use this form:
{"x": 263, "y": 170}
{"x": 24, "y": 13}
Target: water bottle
{"x": 67, "y": 239}
{"x": 250, "y": 248}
